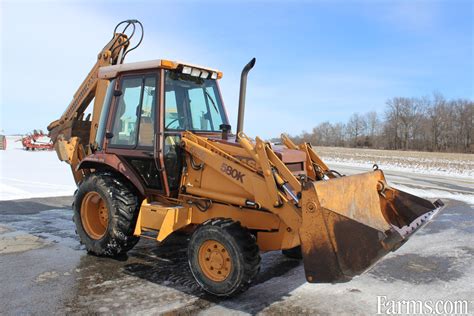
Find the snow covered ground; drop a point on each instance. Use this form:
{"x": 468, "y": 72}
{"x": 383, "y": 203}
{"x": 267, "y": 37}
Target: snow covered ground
{"x": 28, "y": 174}
{"x": 428, "y": 186}
{"x": 440, "y": 164}
{"x": 434, "y": 194}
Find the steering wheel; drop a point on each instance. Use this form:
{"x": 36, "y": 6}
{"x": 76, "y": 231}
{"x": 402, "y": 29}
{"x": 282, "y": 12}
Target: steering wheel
{"x": 171, "y": 122}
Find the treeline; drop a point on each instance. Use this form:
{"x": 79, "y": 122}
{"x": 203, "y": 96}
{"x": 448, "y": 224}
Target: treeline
{"x": 430, "y": 123}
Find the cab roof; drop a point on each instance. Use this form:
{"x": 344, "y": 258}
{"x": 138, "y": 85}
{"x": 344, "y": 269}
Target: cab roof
{"x": 110, "y": 72}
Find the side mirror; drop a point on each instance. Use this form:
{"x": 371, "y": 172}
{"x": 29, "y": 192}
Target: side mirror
{"x": 117, "y": 93}
{"x": 109, "y": 135}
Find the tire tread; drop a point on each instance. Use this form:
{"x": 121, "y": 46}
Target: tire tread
{"x": 246, "y": 244}
{"x": 125, "y": 204}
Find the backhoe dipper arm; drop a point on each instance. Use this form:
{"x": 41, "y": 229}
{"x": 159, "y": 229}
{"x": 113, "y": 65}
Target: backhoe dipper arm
{"x": 91, "y": 87}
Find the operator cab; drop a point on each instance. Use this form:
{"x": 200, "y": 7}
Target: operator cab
{"x": 148, "y": 106}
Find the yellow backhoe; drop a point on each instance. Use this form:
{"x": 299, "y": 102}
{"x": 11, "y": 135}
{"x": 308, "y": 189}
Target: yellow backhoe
{"x": 156, "y": 155}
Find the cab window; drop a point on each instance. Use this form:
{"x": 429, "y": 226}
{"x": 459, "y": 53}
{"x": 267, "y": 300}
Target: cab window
{"x": 192, "y": 103}
{"x": 134, "y": 120}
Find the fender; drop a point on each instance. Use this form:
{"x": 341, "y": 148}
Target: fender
{"x": 112, "y": 161}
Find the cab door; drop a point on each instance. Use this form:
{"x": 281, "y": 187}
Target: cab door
{"x": 132, "y": 128}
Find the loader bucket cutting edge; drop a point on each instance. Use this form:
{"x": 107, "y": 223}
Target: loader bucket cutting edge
{"x": 350, "y": 223}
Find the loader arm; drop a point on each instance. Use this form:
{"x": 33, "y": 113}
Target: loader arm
{"x": 260, "y": 190}
{"x": 315, "y": 167}
{"x": 344, "y": 223}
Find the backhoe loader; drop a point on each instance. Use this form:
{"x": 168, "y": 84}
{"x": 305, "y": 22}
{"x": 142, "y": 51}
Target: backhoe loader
{"x": 156, "y": 156}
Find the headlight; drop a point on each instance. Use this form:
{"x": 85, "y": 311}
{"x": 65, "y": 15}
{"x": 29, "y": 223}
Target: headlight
{"x": 195, "y": 72}
{"x": 186, "y": 70}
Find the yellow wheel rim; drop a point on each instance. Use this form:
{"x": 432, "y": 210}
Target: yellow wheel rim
{"x": 94, "y": 215}
{"x": 214, "y": 260}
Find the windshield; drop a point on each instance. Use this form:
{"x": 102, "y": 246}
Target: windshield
{"x": 192, "y": 103}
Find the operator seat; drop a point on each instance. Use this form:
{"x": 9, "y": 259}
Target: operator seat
{"x": 146, "y": 132}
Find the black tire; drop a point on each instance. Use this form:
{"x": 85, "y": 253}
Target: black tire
{"x": 122, "y": 205}
{"x": 294, "y": 253}
{"x": 242, "y": 249}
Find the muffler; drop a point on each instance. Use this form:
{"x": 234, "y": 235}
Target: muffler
{"x": 350, "y": 223}
{"x": 242, "y": 94}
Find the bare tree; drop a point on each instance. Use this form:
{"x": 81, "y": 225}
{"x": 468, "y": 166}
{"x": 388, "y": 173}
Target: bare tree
{"x": 322, "y": 134}
{"x": 465, "y": 121}
{"x": 355, "y": 129}
{"x": 373, "y": 125}
{"x": 392, "y": 128}
{"x": 427, "y": 123}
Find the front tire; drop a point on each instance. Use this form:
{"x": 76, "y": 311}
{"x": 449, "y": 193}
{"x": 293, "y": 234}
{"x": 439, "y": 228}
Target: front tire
{"x": 223, "y": 257}
{"x": 105, "y": 213}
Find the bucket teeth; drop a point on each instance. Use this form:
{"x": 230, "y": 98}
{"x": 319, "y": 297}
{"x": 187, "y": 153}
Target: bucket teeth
{"x": 350, "y": 223}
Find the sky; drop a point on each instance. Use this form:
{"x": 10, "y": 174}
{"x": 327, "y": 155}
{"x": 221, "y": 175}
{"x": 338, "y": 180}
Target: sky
{"x": 316, "y": 60}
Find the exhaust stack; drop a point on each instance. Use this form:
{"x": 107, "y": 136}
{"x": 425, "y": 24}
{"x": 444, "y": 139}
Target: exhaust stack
{"x": 243, "y": 90}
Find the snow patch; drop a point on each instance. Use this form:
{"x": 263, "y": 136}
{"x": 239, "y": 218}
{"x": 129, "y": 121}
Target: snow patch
{"x": 408, "y": 167}
{"x": 437, "y": 194}
{"x": 29, "y": 174}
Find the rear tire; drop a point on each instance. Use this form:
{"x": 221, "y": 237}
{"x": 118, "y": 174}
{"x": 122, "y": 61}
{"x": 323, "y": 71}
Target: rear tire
{"x": 109, "y": 233}
{"x": 223, "y": 257}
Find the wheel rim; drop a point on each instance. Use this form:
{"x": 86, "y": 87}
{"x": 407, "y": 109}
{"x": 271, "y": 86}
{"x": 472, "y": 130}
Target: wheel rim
{"x": 94, "y": 215}
{"x": 214, "y": 260}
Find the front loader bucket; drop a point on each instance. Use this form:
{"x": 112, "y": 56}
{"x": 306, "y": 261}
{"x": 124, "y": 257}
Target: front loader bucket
{"x": 349, "y": 223}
